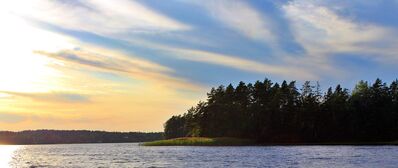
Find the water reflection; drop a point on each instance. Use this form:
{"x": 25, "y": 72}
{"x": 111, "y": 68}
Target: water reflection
{"x": 6, "y": 154}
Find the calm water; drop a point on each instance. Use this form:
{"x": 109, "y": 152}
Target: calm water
{"x": 132, "y": 155}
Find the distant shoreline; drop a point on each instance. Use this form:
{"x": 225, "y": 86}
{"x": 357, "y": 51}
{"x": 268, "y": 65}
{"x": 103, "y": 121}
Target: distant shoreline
{"x": 83, "y": 143}
{"x": 203, "y": 141}
{"x": 49, "y": 137}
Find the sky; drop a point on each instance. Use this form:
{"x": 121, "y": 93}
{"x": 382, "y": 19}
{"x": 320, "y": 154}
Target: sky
{"x": 129, "y": 65}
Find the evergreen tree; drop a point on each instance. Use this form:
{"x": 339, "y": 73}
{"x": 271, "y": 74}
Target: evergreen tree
{"x": 272, "y": 112}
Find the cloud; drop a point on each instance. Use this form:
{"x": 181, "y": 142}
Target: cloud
{"x": 243, "y": 18}
{"x": 97, "y": 16}
{"x": 325, "y": 35}
{"x": 11, "y": 118}
{"x": 107, "y": 62}
{"x": 51, "y": 97}
{"x": 230, "y": 61}
{"x": 114, "y": 62}
{"x": 322, "y": 32}
{"x": 240, "y": 63}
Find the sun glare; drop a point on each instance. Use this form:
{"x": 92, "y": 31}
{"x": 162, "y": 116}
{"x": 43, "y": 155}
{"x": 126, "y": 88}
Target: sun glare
{"x": 6, "y": 154}
{"x": 20, "y": 69}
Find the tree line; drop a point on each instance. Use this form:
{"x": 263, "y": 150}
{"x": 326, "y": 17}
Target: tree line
{"x": 75, "y": 136}
{"x": 281, "y": 113}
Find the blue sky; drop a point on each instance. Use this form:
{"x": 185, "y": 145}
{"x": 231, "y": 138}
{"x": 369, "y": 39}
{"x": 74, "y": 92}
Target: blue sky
{"x": 264, "y": 32}
{"x": 180, "y": 49}
{"x": 273, "y": 33}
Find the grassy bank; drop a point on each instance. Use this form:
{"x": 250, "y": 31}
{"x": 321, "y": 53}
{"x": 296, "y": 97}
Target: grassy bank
{"x": 201, "y": 141}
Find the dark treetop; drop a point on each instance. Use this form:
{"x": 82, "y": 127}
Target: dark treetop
{"x": 75, "y": 136}
{"x": 280, "y": 113}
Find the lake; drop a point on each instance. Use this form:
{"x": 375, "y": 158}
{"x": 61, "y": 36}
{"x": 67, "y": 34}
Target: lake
{"x": 133, "y": 155}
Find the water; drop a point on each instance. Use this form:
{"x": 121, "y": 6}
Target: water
{"x": 132, "y": 155}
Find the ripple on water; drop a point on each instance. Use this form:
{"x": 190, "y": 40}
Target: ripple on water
{"x": 132, "y": 155}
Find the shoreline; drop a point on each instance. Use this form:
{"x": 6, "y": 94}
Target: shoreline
{"x": 82, "y": 143}
{"x": 259, "y": 145}
{"x": 203, "y": 141}
{"x": 221, "y": 141}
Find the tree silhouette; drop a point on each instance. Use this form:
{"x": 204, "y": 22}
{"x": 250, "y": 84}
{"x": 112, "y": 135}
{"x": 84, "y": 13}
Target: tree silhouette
{"x": 273, "y": 112}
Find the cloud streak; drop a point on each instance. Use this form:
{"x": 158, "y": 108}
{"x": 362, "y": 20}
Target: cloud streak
{"x": 51, "y": 97}
{"x": 230, "y": 61}
{"x": 323, "y": 32}
{"x": 99, "y": 16}
{"x": 118, "y": 63}
{"x": 325, "y": 35}
{"x": 243, "y": 18}
{"x": 101, "y": 61}
{"x": 240, "y": 63}
{"x": 11, "y": 118}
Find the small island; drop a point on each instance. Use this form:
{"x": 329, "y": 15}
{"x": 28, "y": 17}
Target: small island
{"x": 225, "y": 141}
{"x": 201, "y": 141}
{"x": 268, "y": 113}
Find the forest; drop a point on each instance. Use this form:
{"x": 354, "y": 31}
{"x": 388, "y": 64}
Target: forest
{"x": 270, "y": 112}
{"x": 74, "y": 136}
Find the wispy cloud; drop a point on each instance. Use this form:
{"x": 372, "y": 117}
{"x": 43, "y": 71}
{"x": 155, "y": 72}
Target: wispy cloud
{"x": 243, "y": 18}
{"x": 98, "y": 16}
{"x": 323, "y": 32}
{"x": 112, "y": 61}
{"x": 241, "y": 63}
{"x": 107, "y": 62}
{"x": 11, "y": 118}
{"x": 326, "y": 35}
{"x": 51, "y": 97}
{"x": 230, "y": 61}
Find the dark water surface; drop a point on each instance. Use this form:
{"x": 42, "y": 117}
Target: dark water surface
{"x": 133, "y": 155}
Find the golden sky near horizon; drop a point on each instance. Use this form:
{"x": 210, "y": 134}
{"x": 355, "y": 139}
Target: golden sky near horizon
{"x": 42, "y": 92}
{"x": 40, "y": 89}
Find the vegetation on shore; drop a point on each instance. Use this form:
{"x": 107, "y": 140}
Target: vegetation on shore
{"x": 273, "y": 113}
{"x": 74, "y": 136}
{"x": 201, "y": 141}
{"x": 204, "y": 141}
